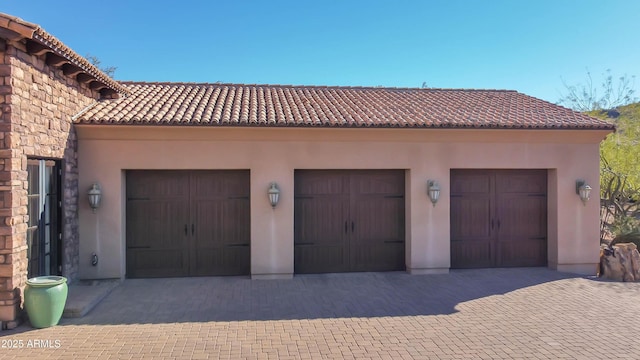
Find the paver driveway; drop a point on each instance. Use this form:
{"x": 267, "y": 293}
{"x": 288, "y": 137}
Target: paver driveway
{"x": 491, "y": 314}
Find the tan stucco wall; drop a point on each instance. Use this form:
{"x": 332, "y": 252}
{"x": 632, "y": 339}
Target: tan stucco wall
{"x": 105, "y": 152}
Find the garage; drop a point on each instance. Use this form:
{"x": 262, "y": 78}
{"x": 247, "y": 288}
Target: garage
{"x": 349, "y": 220}
{"x": 187, "y": 223}
{"x": 498, "y": 218}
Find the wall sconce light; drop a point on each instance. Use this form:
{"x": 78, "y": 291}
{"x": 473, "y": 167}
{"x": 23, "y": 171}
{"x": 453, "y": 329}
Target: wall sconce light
{"x": 95, "y": 196}
{"x": 274, "y": 194}
{"x": 433, "y": 189}
{"x": 583, "y": 190}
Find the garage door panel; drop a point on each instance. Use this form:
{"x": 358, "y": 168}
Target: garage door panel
{"x": 320, "y": 234}
{"x": 191, "y": 217}
{"x": 378, "y": 241}
{"x": 221, "y": 237}
{"x": 378, "y": 219}
{"x": 522, "y": 236}
{"x": 160, "y": 221}
{"x": 157, "y": 184}
{"x": 220, "y": 209}
{"x": 470, "y": 217}
{"x": 155, "y": 232}
{"x": 221, "y": 184}
{"x": 522, "y": 181}
{"x": 376, "y": 183}
{"x": 225, "y": 260}
{"x": 222, "y": 222}
{"x": 315, "y": 259}
{"x": 523, "y": 252}
{"x": 157, "y": 263}
{"x": 475, "y": 253}
{"x": 377, "y": 256}
{"x": 470, "y": 181}
{"x": 320, "y": 182}
{"x": 321, "y": 220}
{"x": 504, "y": 226}
{"x": 139, "y": 210}
{"x": 522, "y": 216}
{"x": 349, "y": 220}
{"x": 209, "y": 224}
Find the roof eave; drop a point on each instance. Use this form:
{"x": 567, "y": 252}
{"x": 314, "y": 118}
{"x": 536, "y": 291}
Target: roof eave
{"x": 79, "y": 120}
{"x": 14, "y": 29}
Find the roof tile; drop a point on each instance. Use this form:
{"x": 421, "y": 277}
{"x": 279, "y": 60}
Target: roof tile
{"x": 321, "y": 106}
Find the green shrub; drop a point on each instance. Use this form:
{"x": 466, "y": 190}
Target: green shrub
{"x": 626, "y": 229}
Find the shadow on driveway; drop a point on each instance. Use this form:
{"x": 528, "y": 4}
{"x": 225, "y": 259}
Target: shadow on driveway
{"x": 205, "y": 299}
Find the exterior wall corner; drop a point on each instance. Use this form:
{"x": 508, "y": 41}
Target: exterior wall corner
{"x": 37, "y": 103}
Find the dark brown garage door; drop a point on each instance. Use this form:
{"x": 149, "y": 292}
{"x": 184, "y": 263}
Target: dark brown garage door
{"x": 349, "y": 221}
{"x": 187, "y": 223}
{"x": 498, "y": 218}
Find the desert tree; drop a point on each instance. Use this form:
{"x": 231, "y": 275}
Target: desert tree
{"x": 589, "y": 96}
{"x": 620, "y": 177}
{"x": 109, "y": 70}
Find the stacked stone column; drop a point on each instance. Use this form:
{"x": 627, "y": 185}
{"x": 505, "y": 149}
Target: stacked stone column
{"x": 37, "y": 103}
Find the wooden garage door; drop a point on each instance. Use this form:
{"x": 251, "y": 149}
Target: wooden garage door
{"x": 187, "y": 223}
{"x": 349, "y": 221}
{"x": 498, "y": 218}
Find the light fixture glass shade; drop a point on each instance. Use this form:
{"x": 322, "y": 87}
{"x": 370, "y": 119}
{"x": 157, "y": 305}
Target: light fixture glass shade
{"x": 274, "y": 194}
{"x": 583, "y": 190}
{"x": 585, "y": 193}
{"x": 433, "y": 189}
{"x": 95, "y": 196}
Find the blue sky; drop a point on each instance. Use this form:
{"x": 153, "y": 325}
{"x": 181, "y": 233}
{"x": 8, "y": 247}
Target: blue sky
{"x": 528, "y": 46}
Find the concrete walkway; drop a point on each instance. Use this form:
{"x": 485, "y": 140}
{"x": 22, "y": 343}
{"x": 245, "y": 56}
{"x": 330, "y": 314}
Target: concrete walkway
{"x": 486, "y": 314}
{"x": 85, "y": 295}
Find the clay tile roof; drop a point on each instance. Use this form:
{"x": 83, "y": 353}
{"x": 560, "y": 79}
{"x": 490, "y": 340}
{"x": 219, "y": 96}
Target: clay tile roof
{"x": 319, "y": 106}
{"x": 16, "y": 29}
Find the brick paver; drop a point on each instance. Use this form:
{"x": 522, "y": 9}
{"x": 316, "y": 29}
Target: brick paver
{"x": 486, "y": 314}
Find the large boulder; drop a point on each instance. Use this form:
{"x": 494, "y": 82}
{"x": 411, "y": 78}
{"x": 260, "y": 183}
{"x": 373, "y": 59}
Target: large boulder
{"x": 620, "y": 262}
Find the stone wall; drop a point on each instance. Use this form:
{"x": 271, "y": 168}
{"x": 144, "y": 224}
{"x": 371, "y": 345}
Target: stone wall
{"x": 37, "y": 103}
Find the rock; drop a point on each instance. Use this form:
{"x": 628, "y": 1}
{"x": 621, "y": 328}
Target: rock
{"x": 10, "y": 325}
{"x": 620, "y": 262}
{"x": 635, "y": 262}
{"x": 613, "y": 113}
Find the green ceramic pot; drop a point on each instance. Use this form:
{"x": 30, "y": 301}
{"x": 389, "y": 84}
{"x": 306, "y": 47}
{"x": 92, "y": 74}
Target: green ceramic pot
{"x": 44, "y": 300}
